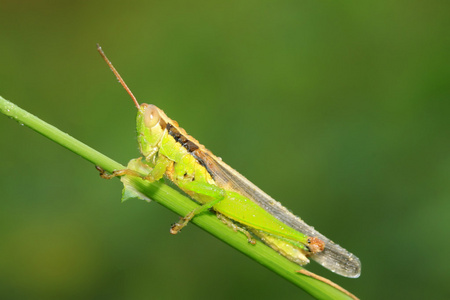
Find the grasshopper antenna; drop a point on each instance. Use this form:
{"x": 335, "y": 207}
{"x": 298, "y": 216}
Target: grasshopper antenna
{"x": 117, "y": 75}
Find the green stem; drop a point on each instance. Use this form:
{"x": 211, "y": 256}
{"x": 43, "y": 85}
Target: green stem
{"x": 180, "y": 204}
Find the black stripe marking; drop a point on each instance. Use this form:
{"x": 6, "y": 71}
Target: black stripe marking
{"x": 190, "y": 146}
{"x": 186, "y": 143}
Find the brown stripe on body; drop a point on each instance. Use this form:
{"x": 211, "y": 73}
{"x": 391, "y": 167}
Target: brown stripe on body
{"x": 190, "y": 146}
{"x": 180, "y": 138}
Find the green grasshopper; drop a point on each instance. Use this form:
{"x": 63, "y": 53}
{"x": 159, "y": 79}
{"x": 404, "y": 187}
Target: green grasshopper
{"x": 169, "y": 151}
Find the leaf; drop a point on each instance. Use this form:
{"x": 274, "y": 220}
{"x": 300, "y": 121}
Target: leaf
{"x": 129, "y": 191}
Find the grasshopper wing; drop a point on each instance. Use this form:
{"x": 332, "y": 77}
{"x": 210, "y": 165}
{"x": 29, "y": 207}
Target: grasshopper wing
{"x": 333, "y": 257}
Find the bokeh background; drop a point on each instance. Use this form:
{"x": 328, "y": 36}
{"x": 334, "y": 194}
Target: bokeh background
{"x": 338, "y": 110}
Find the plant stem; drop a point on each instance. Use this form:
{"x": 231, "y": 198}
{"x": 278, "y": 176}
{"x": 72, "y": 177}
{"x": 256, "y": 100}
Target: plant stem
{"x": 56, "y": 135}
{"x": 180, "y": 204}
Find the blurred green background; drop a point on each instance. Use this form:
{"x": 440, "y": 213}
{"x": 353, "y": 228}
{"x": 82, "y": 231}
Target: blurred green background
{"x": 338, "y": 110}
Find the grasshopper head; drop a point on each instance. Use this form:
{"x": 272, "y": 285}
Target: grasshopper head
{"x": 150, "y": 125}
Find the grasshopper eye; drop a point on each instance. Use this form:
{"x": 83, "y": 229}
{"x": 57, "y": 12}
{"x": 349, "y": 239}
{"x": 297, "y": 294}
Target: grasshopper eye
{"x": 151, "y": 116}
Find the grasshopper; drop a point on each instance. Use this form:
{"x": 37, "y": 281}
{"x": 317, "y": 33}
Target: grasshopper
{"x": 167, "y": 150}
